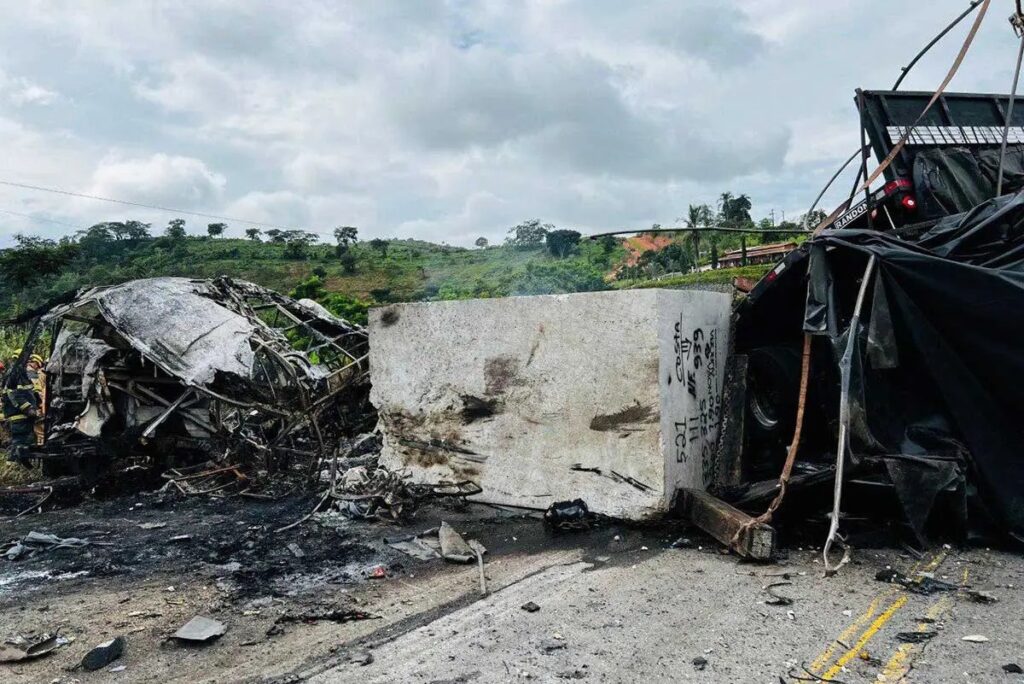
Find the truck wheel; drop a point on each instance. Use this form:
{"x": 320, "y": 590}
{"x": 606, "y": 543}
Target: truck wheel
{"x": 773, "y": 382}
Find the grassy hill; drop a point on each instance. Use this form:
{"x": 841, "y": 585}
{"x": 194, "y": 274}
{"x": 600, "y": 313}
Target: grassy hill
{"x": 346, "y": 281}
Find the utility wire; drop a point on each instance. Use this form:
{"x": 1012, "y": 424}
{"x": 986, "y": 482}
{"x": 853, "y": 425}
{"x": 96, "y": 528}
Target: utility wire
{"x": 169, "y": 210}
{"x": 39, "y": 218}
{"x": 895, "y": 86}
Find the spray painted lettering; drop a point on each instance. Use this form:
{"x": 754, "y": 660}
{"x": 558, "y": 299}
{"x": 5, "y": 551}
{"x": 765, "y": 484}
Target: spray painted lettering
{"x": 697, "y": 362}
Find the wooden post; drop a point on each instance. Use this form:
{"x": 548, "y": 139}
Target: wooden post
{"x": 722, "y": 522}
{"x": 743, "y": 249}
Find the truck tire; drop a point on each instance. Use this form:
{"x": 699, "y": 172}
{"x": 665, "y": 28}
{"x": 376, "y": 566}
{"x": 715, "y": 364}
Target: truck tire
{"x": 773, "y": 382}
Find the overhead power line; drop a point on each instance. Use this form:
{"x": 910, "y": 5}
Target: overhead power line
{"x": 39, "y": 218}
{"x": 169, "y": 210}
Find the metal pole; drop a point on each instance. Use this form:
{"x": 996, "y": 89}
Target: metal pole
{"x": 844, "y": 421}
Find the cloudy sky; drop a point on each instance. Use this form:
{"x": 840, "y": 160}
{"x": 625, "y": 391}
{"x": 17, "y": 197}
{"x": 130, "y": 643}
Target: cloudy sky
{"x": 448, "y": 120}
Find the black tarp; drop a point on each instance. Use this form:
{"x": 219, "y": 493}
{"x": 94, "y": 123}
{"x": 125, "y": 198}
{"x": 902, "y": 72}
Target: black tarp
{"x": 943, "y": 366}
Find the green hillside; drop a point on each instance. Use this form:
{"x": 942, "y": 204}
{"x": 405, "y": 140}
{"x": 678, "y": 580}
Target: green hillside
{"x": 347, "y": 277}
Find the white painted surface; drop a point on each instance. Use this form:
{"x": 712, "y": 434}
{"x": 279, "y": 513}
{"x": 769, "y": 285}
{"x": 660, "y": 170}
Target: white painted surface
{"x": 512, "y": 393}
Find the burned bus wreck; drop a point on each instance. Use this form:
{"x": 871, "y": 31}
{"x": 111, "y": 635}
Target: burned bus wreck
{"x": 173, "y": 371}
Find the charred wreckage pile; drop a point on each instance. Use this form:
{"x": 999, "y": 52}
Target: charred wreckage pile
{"x": 171, "y": 373}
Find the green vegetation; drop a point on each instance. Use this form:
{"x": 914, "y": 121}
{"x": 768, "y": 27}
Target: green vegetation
{"x": 351, "y": 275}
{"x": 346, "y": 277}
{"x": 720, "y": 276}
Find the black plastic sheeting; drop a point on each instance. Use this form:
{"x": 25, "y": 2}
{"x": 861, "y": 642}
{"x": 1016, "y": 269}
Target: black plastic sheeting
{"x": 953, "y": 180}
{"x": 939, "y": 376}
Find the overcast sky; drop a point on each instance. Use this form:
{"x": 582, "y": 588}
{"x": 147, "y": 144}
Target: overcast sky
{"x": 449, "y": 120}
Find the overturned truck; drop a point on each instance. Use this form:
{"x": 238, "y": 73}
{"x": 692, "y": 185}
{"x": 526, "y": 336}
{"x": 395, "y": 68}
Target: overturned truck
{"x": 165, "y": 372}
{"x": 908, "y": 304}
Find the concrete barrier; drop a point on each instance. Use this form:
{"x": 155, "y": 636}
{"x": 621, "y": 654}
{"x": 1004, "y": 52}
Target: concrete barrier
{"x": 612, "y": 397}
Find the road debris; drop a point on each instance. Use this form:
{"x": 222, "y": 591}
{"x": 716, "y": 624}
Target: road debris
{"x": 29, "y": 647}
{"x": 453, "y": 547}
{"x": 530, "y": 607}
{"x": 200, "y": 629}
{"x": 699, "y": 663}
{"x": 569, "y": 515}
{"x": 975, "y": 638}
{"x": 777, "y": 599}
{"x": 35, "y": 542}
{"x": 104, "y": 654}
{"x": 924, "y": 584}
{"x": 1013, "y": 668}
{"x": 980, "y": 596}
{"x": 915, "y": 637}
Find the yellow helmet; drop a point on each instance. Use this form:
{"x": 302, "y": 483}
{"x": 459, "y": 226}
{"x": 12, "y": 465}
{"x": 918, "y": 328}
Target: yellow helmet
{"x": 37, "y": 358}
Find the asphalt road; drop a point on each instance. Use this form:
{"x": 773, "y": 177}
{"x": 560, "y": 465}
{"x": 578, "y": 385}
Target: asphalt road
{"x": 653, "y": 618}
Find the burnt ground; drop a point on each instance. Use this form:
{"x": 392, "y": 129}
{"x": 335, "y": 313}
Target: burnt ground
{"x": 157, "y": 559}
{"x": 617, "y": 602}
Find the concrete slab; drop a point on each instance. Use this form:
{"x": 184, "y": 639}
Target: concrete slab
{"x": 612, "y": 397}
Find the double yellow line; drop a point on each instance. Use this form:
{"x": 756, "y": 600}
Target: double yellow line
{"x": 893, "y": 599}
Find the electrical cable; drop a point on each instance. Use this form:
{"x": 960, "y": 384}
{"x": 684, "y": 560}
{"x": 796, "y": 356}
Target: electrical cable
{"x": 169, "y": 210}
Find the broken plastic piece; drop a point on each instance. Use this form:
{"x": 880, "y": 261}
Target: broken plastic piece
{"x": 201, "y": 630}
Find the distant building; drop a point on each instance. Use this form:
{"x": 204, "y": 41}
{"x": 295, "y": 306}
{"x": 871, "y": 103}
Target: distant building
{"x": 758, "y": 254}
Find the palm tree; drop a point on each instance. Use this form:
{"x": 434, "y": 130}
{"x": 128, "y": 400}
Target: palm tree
{"x": 697, "y": 216}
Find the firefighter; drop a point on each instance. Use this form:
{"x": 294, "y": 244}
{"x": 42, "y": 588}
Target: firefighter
{"x": 21, "y": 409}
{"x": 37, "y": 376}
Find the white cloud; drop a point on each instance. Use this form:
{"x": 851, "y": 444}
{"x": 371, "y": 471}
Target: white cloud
{"x": 450, "y": 120}
{"x": 159, "y": 179}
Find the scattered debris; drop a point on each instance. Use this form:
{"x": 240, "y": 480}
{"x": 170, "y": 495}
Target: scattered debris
{"x": 975, "y": 638}
{"x": 552, "y": 645}
{"x": 699, "y": 663}
{"x": 453, "y": 547}
{"x": 682, "y": 543}
{"x": 328, "y": 614}
{"x": 979, "y": 596}
{"x": 419, "y": 546}
{"x": 922, "y": 585}
{"x": 296, "y": 550}
{"x": 776, "y": 599}
{"x": 29, "y": 647}
{"x": 104, "y": 654}
{"x": 152, "y": 525}
{"x": 915, "y": 637}
{"x": 362, "y": 658}
{"x": 569, "y": 515}
{"x": 39, "y": 541}
{"x": 200, "y": 630}
{"x": 369, "y": 492}
{"x": 530, "y": 607}
{"x": 1013, "y": 668}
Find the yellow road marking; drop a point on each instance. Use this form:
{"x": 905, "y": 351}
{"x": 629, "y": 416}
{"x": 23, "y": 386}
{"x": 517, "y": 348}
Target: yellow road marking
{"x": 850, "y": 652}
{"x": 852, "y": 630}
{"x": 897, "y": 667}
{"x": 878, "y": 623}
